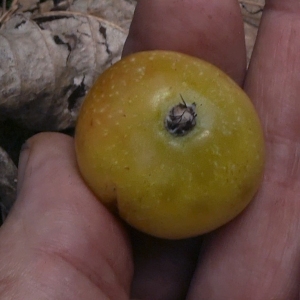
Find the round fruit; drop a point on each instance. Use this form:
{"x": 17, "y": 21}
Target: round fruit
{"x": 170, "y": 143}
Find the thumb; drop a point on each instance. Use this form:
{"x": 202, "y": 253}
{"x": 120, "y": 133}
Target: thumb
{"x": 59, "y": 242}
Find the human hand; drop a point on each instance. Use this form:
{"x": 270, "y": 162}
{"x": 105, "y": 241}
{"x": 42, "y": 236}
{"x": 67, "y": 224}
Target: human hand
{"x": 59, "y": 242}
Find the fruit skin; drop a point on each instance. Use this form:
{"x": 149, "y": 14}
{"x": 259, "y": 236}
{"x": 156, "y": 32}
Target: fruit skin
{"x": 169, "y": 186}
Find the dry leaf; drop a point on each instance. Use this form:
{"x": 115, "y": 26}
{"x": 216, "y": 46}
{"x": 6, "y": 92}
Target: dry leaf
{"x": 47, "y": 65}
{"x": 252, "y": 11}
{"x": 119, "y": 12}
{"x": 8, "y": 183}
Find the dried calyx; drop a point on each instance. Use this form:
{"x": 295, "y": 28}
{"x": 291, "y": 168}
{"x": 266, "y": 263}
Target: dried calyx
{"x": 181, "y": 118}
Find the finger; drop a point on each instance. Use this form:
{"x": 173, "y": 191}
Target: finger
{"x": 163, "y": 268}
{"x": 211, "y": 30}
{"x": 262, "y": 248}
{"x": 59, "y": 242}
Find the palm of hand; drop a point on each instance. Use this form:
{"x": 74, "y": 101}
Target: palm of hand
{"x": 70, "y": 247}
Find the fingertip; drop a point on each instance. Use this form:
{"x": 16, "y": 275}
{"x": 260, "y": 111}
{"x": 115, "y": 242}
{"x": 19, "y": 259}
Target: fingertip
{"x": 210, "y": 30}
{"x": 48, "y": 142}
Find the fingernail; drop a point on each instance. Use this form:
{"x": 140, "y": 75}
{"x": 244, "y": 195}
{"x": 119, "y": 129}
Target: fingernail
{"x": 23, "y": 160}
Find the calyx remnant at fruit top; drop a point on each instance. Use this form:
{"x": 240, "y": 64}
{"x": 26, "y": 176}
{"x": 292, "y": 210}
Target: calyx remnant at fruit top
{"x": 181, "y": 118}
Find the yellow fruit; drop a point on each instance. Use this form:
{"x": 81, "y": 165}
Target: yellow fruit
{"x": 170, "y": 143}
